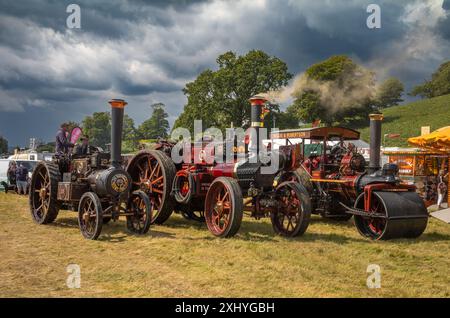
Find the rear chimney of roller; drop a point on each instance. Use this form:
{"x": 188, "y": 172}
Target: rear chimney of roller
{"x": 375, "y": 142}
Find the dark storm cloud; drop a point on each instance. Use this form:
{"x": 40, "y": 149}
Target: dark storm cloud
{"x": 146, "y": 51}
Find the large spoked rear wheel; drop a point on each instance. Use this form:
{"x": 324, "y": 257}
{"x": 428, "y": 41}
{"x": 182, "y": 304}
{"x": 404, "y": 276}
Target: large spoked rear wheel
{"x": 90, "y": 216}
{"x": 153, "y": 172}
{"x": 291, "y": 217}
{"x": 44, "y": 206}
{"x": 224, "y": 207}
{"x": 139, "y": 204}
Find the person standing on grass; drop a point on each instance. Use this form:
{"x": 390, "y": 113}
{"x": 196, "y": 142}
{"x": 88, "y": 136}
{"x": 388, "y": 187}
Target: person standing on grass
{"x": 441, "y": 188}
{"x": 11, "y": 175}
{"x": 21, "y": 179}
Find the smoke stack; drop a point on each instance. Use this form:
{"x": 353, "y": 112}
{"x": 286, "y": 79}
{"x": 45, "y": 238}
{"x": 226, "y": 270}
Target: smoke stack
{"x": 117, "y": 109}
{"x": 257, "y": 119}
{"x": 375, "y": 142}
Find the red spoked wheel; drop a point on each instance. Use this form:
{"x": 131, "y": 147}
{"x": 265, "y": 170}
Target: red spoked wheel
{"x": 153, "y": 172}
{"x": 291, "y": 217}
{"x": 371, "y": 227}
{"x": 224, "y": 207}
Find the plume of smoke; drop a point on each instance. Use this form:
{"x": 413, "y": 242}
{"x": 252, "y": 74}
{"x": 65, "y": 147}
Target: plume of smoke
{"x": 421, "y": 43}
{"x": 353, "y": 88}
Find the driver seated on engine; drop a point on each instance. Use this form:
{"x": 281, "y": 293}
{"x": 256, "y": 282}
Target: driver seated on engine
{"x": 84, "y": 148}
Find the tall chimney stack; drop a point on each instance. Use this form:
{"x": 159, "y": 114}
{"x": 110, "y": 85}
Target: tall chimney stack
{"x": 375, "y": 142}
{"x": 257, "y": 119}
{"x": 117, "y": 110}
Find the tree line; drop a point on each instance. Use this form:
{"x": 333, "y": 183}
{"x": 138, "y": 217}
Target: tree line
{"x": 220, "y": 97}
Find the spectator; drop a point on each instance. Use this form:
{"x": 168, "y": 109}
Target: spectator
{"x": 441, "y": 188}
{"x": 21, "y": 179}
{"x": 11, "y": 175}
{"x": 84, "y": 148}
{"x": 62, "y": 142}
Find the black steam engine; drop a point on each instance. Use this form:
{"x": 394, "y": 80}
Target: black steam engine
{"x": 95, "y": 185}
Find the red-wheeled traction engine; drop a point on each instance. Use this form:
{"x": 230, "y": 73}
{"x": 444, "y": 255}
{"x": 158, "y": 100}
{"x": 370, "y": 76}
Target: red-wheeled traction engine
{"x": 340, "y": 185}
{"x": 336, "y": 184}
{"x": 221, "y": 191}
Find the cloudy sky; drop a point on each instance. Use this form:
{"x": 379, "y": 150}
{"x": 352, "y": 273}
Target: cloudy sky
{"x": 146, "y": 51}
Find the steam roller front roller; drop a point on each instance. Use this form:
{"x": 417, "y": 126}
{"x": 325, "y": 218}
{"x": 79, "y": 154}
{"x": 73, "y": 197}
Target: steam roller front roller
{"x": 153, "y": 172}
{"x": 397, "y": 215}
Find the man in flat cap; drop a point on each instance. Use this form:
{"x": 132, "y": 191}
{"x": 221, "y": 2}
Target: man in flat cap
{"x": 62, "y": 142}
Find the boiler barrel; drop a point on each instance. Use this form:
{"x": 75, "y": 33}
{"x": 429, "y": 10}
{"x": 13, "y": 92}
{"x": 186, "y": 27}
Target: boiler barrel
{"x": 110, "y": 182}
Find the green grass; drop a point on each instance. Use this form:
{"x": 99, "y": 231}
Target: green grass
{"x": 182, "y": 259}
{"x": 408, "y": 119}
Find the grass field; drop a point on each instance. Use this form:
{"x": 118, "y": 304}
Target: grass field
{"x": 181, "y": 259}
{"x": 407, "y": 119}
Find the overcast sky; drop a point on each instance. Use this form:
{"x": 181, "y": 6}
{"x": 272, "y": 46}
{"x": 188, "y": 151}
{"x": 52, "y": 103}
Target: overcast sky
{"x": 146, "y": 51}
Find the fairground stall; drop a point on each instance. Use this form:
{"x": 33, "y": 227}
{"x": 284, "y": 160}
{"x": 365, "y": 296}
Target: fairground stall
{"x": 439, "y": 142}
{"x": 420, "y": 167}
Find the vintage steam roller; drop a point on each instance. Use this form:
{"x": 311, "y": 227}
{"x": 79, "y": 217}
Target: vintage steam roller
{"x": 220, "y": 190}
{"x": 385, "y": 207}
{"x": 95, "y": 185}
{"x": 340, "y": 185}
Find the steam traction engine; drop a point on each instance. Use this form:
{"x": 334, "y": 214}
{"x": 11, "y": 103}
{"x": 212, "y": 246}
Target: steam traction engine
{"x": 217, "y": 189}
{"x": 95, "y": 184}
{"x": 341, "y": 186}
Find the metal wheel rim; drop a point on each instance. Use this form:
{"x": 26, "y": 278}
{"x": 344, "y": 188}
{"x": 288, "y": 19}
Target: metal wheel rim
{"x": 41, "y": 193}
{"x": 376, "y": 226}
{"x": 88, "y": 217}
{"x": 219, "y": 209}
{"x": 151, "y": 181}
{"x": 289, "y": 211}
{"x": 139, "y": 217}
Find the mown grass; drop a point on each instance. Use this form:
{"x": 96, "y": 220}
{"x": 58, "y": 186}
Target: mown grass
{"x": 408, "y": 119}
{"x": 181, "y": 259}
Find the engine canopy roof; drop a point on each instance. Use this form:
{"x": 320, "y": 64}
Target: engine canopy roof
{"x": 319, "y": 133}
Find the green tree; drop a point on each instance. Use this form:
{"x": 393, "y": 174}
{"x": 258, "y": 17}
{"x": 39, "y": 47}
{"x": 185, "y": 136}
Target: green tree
{"x": 3, "y": 145}
{"x": 307, "y": 108}
{"x": 334, "y": 90}
{"x": 389, "y": 93}
{"x": 283, "y": 120}
{"x": 129, "y": 135}
{"x": 129, "y": 131}
{"x": 220, "y": 97}
{"x": 157, "y": 125}
{"x": 438, "y": 85}
{"x": 98, "y": 128}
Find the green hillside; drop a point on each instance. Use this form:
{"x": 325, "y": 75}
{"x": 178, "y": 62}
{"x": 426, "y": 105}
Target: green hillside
{"x": 407, "y": 119}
